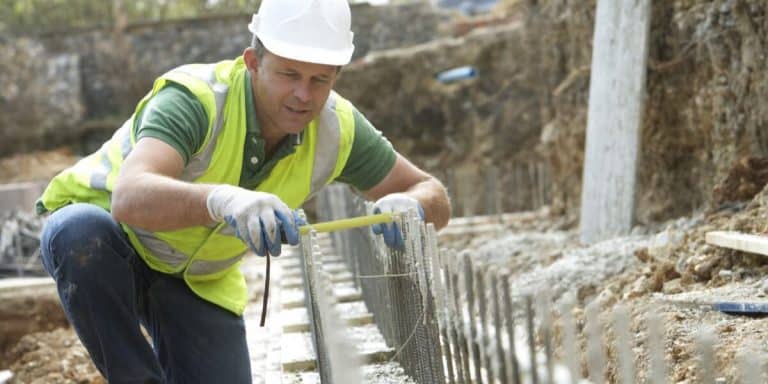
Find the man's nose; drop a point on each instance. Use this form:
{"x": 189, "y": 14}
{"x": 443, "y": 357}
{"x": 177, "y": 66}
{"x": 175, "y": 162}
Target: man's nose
{"x": 302, "y": 92}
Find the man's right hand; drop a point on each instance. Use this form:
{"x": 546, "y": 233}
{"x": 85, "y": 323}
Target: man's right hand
{"x": 257, "y": 217}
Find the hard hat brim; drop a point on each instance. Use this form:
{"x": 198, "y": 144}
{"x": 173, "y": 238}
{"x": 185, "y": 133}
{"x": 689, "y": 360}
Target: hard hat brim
{"x": 307, "y": 54}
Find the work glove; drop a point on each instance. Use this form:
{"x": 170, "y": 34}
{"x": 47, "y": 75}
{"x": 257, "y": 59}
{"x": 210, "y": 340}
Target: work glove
{"x": 394, "y": 202}
{"x": 259, "y": 219}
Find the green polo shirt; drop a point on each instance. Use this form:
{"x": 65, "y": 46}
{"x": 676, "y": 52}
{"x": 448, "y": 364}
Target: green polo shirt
{"x": 175, "y": 116}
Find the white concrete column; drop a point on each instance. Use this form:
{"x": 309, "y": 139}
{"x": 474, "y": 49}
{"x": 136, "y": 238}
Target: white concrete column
{"x": 616, "y": 96}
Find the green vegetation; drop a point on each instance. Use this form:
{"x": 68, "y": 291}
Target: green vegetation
{"x": 40, "y": 16}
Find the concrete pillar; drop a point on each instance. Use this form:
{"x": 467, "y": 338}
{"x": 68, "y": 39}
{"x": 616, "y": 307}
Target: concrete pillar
{"x": 616, "y": 94}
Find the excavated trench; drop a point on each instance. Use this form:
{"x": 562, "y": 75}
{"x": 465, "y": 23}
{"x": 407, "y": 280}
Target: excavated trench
{"x": 701, "y": 171}
{"x": 651, "y": 271}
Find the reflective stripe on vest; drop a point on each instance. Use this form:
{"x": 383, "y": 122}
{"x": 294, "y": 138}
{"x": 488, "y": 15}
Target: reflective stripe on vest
{"x": 330, "y": 133}
{"x": 325, "y": 158}
{"x": 195, "y": 168}
{"x": 100, "y": 175}
{"x": 199, "y": 163}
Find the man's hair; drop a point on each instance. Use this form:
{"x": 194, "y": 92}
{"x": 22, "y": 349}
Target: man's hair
{"x": 258, "y": 47}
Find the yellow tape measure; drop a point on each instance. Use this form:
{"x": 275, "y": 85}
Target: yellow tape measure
{"x": 354, "y": 222}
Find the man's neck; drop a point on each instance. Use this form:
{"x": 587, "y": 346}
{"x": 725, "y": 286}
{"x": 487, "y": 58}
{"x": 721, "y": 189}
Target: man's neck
{"x": 272, "y": 138}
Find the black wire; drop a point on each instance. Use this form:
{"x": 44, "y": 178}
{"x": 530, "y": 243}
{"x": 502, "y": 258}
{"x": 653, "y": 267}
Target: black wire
{"x": 266, "y": 295}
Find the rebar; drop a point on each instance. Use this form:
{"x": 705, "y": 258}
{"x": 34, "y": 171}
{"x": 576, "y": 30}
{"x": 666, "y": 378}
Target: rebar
{"x": 657, "y": 368}
{"x": 595, "y": 357}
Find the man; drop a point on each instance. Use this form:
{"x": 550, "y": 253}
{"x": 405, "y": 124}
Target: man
{"x": 212, "y": 163}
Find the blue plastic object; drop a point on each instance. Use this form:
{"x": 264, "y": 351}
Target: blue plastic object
{"x": 741, "y": 308}
{"x": 456, "y": 74}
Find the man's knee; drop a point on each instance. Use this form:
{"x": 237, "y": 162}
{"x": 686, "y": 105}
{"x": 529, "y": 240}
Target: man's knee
{"x": 76, "y": 238}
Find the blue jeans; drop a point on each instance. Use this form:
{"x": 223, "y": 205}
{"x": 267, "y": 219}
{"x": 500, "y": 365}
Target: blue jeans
{"x": 107, "y": 292}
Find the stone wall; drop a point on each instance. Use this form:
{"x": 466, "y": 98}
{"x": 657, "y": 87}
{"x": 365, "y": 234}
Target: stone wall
{"x": 63, "y": 88}
{"x": 37, "y": 94}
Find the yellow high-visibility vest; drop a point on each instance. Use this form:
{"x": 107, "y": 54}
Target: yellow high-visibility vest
{"x": 208, "y": 258}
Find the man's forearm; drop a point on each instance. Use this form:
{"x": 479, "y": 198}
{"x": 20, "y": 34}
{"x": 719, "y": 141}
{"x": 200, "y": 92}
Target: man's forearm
{"x": 433, "y": 197}
{"x": 159, "y": 203}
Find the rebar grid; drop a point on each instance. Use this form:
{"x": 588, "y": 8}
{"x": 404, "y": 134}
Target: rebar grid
{"x": 452, "y": 319}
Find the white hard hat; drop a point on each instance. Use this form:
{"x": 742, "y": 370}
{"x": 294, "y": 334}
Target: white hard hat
{"x": 314, "y": 31}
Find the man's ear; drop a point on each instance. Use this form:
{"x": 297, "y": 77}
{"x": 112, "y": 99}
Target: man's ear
{"x": 251, "y": 59}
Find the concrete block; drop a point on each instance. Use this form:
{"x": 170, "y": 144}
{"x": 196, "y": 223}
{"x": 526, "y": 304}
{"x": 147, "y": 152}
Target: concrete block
{"x": 20, "y": 196}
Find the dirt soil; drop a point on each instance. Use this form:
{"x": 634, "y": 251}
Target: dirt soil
{"x": 665, "y": 269}
{"x": 53, "y": 357}
{"x": 35, "y": 166}
{"x": 36, "y": 343}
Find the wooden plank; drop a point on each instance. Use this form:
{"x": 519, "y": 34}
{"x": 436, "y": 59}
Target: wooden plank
{"x": 739, "y": 241}
{"x": 23, "y": 284}
{"x": 616, "y": 93}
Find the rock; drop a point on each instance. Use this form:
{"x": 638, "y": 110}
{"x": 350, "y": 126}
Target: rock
{"x": 638, "y": 288}
{"x": 704, "y": 265}
{"x": 725, "y": 274}
{"x": 643, "y": 255}
{"x": 672, "y": 287}
{"x": 764, "y": 285}
{"x": 664, "y": 243}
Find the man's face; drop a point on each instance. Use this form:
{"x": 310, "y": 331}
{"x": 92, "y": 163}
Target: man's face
{"x": 289, "y": 93}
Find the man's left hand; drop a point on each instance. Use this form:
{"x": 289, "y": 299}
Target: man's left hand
{"x": 394, "y": 202}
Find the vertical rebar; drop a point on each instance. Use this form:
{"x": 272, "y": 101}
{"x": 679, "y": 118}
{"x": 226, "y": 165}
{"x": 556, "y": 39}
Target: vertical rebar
{"x": 513, "y": 366}
{"x": 440, "y": 294}
{"x": 400, "y": 292}
{"x": 460, "y": 324}
{"x": 428, "y": 335}
{"x": 500, "y": 356}
{"x": 531, "y": 329}
{"x": 749, "y": 361}
{"x": 595, "y": 357}
{"x": 657, "y": 366}
{"x": 474, "y": 341}
{"x": 705, "y": 348}
{"x": 453, "y": 361}
{"x": 621, "y": 325}
{"x": 482, "y": 311}
{"x": 543, "y": 302}
{"x": 570, "y": 343}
